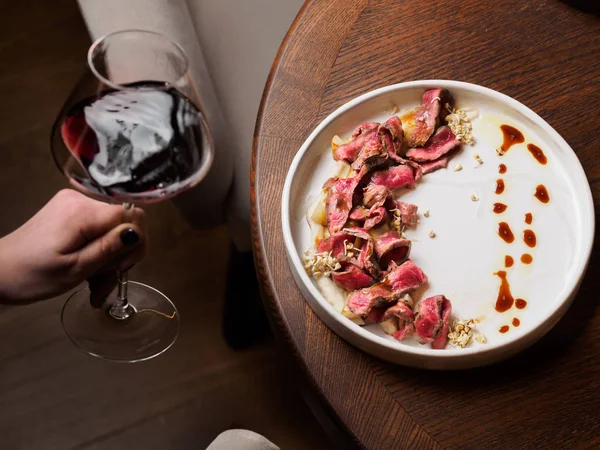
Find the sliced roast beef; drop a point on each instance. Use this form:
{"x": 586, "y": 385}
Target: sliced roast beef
{"x": 395, "y": 177}
{"x": 408, "y": 212}
{"x": 351, "y": 277}
{"x": 398, "y": 281}
{"x": 364, "y": 128}
{"x": 375, "y": 315}
{"x": 429, "y": 115}
{"x": 391, "y": 136}
{"x": 377, "y": 216}
{"x": 432, "y": 321}
{"x": 432, "y": 166}
{"x": 366, "y": 257}
{"x": 359, "y": 213}
{"x": 375, "y": 195}
{"x": 348, "y": 152}
{"x": 440, "y": 144}
{"x": 390, "y": 246}
{"x": 339, "y": 201}
{"x": 371, "y": 155}
{"x": 335, "y": 242}
{"x": 403, "y": 313}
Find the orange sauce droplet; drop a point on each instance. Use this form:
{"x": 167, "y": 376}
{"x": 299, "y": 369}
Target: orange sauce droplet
{"x": 499, "y": 186}
{"x": 526, "y": 258}
{"x": 503, "y": 328}
{"x": 537, "y": 153}
{"x": 508, "y": 261}
{"x": 520, "y": 303}
{"x": 499, "y": 208}
{"x": 502, "y": 168}
{"x": 528, "y": 218}
{"x": 516, "y": 322}
{"x": 505, "y": 232}
{"x": 541, "y": 193}
{"x": 529, "y": 238}
{"x": 505, "y": 299}
{"x": 511, "y": 137}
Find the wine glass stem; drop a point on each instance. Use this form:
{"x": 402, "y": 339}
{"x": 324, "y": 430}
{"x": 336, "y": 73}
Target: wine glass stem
{"x": 121, "y": 310}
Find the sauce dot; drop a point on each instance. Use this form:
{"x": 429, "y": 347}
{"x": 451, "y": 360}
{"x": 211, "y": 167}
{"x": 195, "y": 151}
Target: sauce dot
{"x": 499, "y": 186}
{"x": 541, "y": 193}
{"x": 502, "y": 168}
{"x": 537, "y": 153}
{"x": 505, "y": 232}
{"x": 499, "y": 208}
{"x": 526, "y": 258}
{"x": 511, "y": 136}
{"x": 503, "y": 328}
{"x": 528, "y": 218}
{"x": 529, "y": 238}
{"x": 508, "y": 261}
{"x": 505, "y": 299}
{"x": 516, "y": 322}
{"x": 520, "y": 303}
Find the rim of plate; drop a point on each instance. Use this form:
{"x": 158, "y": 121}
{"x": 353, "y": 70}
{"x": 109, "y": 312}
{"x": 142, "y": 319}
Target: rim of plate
{"x": 573, "y": 284}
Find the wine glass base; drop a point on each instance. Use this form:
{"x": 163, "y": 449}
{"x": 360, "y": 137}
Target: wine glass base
{"x": 149, "y": 331}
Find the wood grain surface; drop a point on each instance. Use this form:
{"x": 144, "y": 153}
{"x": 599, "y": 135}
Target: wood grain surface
{"x": 543, "y": 53}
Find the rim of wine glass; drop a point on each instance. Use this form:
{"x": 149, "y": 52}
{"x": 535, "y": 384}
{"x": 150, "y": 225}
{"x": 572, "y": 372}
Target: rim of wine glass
{"x": 101, "y": 39}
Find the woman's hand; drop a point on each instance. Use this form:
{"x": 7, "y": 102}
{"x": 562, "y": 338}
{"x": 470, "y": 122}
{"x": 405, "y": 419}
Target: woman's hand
{"x": 71, "y": 239}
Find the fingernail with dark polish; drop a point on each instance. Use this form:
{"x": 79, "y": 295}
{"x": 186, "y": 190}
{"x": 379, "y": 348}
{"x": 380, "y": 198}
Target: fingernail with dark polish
{"x": 129, "y": 237}
{"x": 97, "y": 300}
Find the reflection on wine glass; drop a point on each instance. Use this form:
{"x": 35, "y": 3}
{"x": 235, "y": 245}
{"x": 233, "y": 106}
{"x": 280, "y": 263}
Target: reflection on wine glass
{"x": 132, "y": 131}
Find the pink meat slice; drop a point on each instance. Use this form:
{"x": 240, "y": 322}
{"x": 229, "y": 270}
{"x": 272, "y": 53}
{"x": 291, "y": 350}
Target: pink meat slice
{"x": 398, "y": 281}
{"x": 406, "y": 318}
{"x": 390, "y": 246}
{"x": 432, "y": 321}
{"x": 348, "y": 152}
{"x": 371, "y": 155}
{"x": 339, "y": 202}
{"x": 351, "y": 277}
{"x": 440, "y": 144}
{"x": 364, "y": 128}
{"x": 395, "y": 177}
{"x": 391, "y": 136}
{"x": 408, "y": 211}
{"x": 432, "y": 166}
{"x": 377, "y": 216}
{"x": 375, "y": 195}
{"x": 336, "y": 242}
{"x": 429, "y": 115}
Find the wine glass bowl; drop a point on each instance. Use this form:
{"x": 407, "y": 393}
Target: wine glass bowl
{"x": 136, "y": 92}
{"x": 132, "y": 131}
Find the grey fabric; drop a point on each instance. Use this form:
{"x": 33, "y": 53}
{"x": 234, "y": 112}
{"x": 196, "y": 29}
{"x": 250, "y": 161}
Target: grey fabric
{"x": 241, "y": 440}
{"x": 231, "y": 45}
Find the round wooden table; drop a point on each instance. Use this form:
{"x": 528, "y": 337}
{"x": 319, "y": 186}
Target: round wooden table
{"x": 545, "y": 54}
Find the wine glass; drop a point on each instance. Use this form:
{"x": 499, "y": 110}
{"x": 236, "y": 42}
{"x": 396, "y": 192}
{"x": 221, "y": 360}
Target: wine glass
{"x": 132, "y": 131}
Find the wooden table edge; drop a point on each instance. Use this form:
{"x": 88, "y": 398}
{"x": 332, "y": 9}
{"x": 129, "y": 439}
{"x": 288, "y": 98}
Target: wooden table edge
{"x": 268, "y": 295}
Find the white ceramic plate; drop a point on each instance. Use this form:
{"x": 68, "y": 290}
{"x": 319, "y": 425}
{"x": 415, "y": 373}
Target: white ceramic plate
{"x": 466, "y": 251}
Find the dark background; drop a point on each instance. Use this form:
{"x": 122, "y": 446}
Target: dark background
{"x": 52, "y": 396}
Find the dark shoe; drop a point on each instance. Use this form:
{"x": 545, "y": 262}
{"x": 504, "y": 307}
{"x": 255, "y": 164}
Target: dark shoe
{"x": 245, "y": 322}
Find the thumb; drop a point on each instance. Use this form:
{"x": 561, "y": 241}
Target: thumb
{"x": 109, "y": 247}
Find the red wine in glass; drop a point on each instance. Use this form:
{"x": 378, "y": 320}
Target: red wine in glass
{"x": 145, "y": 141}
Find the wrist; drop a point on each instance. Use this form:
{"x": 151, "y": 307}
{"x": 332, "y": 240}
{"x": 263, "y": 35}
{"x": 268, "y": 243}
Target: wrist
{"x": 8, "y": 278}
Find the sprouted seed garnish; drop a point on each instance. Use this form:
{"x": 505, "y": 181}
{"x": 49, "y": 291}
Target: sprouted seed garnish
{"x": 460, "y": 125}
